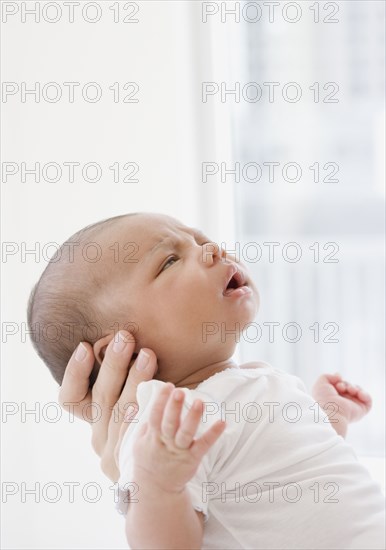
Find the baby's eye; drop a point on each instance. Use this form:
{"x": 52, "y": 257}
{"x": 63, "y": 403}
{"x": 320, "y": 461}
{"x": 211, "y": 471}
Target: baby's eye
{"x": 171, "y": 259}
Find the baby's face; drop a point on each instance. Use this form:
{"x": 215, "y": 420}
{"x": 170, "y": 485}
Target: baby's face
{"x": 174, "y": 293}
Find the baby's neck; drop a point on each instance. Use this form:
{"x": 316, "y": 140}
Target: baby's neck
{"x": 194, "y": 379}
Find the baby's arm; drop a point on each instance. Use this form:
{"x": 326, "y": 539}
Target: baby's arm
{"x": 343, "y": 402}
{"x": 166, "y": 456}
{"x": 162, "y": 519}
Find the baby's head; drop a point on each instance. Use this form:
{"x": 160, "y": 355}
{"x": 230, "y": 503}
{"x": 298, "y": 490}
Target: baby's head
{"x": 149, "y": 274}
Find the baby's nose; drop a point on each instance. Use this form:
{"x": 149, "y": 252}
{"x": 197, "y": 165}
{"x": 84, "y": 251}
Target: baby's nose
{"x": 214, "y": 252}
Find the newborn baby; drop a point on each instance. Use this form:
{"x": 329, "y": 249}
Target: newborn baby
{"x": 238, "y": 456}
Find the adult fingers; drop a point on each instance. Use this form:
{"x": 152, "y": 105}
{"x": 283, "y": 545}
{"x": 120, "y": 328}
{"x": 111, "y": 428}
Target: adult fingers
{"x": 74, "y": 392}
{"x": 113, "y": 370}
{"x": 144, "y": 368}
{"x": 129, "y": 417}
{"x": 108, "y": 386}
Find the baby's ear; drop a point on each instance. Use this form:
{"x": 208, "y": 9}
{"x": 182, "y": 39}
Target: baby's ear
{"x": 100, "y": 347}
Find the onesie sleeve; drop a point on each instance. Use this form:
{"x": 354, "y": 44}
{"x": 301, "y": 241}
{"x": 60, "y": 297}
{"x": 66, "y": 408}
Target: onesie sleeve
{"x": 199, "y": 485}
{"x": 202, "y": 484}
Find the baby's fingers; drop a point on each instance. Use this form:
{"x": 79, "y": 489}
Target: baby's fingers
{"x": 365, "y": 397}
{"x": 345, "y": 387}
{"x": 157, "y": 411}
{"x": 202, "y": 445}
{"x": 172, "y": 414}
{"x": 187, "y": 430}
{"x": 332, "y": 378}
{"x": 354, "y": 391}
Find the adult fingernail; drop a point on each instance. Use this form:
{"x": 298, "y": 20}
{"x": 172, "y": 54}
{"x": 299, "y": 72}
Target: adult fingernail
{"x": 80, "y": 352}
{"x": 119, "y": 342}
{"x": 129, "y": 412}
{"x": 142, "y": 360}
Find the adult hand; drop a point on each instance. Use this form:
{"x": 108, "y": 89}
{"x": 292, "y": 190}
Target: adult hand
{"x": 114, "y": 389}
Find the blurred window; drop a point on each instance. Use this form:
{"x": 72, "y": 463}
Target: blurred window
{"x": 309, "y": 199}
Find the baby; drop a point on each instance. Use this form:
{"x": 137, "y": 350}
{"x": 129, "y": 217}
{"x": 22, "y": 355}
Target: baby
{"x": 218, "y": 455}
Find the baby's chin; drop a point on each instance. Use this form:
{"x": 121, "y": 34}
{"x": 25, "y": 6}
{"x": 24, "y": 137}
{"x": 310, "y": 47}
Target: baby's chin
{"x": 248, "y": 310}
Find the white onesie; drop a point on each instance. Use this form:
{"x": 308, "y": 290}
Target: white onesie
{"x": 279, "y": 476}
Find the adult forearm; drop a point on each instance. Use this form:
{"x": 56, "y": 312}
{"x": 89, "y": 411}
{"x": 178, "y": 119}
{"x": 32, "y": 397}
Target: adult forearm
{"x": 161, "y": 519}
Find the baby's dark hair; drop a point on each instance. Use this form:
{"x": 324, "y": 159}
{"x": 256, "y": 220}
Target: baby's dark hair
{"x": 60, "y": 314}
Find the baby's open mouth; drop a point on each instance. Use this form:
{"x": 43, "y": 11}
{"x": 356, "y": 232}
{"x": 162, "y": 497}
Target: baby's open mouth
{"x": 236, "y": 280}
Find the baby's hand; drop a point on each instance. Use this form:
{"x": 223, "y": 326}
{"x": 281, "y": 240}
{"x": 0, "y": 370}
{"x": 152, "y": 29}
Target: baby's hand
{"x": 165, "y": 451}
{"x": 352, "y": 401}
